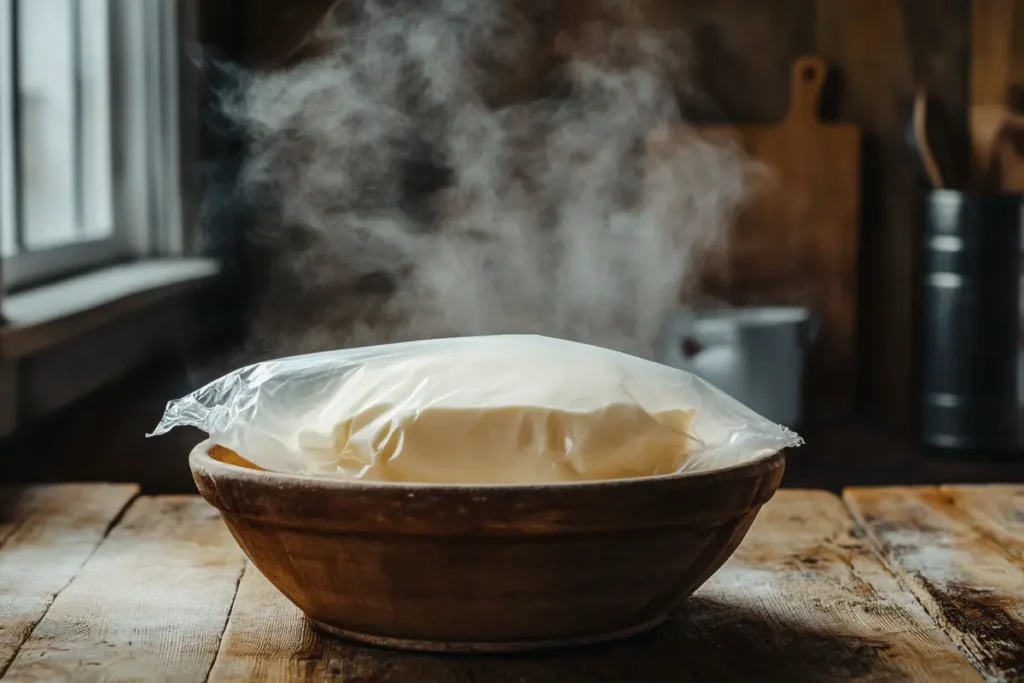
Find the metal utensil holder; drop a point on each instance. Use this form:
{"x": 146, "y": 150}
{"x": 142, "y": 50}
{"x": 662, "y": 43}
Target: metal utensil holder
{"x": 969, "y": 342}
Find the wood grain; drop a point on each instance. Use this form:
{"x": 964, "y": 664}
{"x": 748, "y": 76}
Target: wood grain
{"x": 804, "y": 599}
{"x": 961, "y": 551}
{"x": 150, "y": 604}
{"x": 796, "y": 243}
{"x": 994, "y": 32}
{"x": 742, "y": 52}
{"x": 997, "y": 29}
{"x": 46, "y": 534}
{"x": 809, "y": 591}
{"x": 267, "y": 639}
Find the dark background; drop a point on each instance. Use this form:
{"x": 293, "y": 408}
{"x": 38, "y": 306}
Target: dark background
{"x": 742, "y": 55}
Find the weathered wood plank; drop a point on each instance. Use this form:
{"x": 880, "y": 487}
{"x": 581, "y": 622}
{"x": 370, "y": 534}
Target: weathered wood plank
{"x": 150, "y": 604}
{"x": 814, "y": 598}
{"x": 961, "y": 551}
{"x": 46, "y": 534}
{"x": 804, "y": 599}
{"x": 998, "y": 509}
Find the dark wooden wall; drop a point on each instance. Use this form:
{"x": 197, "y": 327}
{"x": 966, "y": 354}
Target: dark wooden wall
{"x": 740, "y": 54}
{"x": 741, "y": 51}
{"x": 882, "y": 50}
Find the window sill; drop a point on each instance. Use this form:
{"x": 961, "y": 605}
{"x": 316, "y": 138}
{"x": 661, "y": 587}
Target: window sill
{"x": 52, "y": 314}
{"x": 64, "y": 340}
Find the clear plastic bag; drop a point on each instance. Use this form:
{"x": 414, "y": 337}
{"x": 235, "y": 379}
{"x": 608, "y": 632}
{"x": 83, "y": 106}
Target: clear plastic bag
{"x": 493, "y": 409}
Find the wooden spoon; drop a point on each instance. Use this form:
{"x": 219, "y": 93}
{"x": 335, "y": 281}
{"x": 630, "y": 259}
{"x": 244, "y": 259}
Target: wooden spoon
{"x": 917, "y": 139}
{"x": 1010, "y": 161}
{"x": 934, "y": 143}
{"x": 987, "y": 123}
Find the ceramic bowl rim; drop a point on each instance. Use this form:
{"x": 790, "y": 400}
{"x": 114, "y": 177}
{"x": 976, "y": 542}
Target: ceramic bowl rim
{"x": 200, "y": 459}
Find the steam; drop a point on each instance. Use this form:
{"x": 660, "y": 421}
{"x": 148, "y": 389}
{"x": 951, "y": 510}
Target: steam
{"x": 390, "y": 155}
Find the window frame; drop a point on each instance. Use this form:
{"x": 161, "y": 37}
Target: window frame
{"x": 145, "y": 122}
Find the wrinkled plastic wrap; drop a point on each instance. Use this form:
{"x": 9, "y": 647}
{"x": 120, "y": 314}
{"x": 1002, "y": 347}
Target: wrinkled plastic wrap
{"x": 496, "y": 409}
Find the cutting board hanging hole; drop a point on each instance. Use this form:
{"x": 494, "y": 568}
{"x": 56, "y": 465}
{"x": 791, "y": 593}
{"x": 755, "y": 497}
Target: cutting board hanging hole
{"x": 809, "y": 74}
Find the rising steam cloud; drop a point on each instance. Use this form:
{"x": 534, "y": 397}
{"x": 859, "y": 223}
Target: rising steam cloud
{"x": 545, "y": 216}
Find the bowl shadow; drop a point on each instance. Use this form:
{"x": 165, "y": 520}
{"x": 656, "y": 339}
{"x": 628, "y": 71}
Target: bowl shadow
{"x": 705, "y": 640}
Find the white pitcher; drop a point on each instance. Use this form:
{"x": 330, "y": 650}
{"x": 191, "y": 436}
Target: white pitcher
{"x": 756, "y": 355}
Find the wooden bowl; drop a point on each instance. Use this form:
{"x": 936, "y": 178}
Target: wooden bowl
{"x": 486, "y": 568}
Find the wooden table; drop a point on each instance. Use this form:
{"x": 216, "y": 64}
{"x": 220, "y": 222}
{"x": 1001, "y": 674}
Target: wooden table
{"x": 98, "y": 583}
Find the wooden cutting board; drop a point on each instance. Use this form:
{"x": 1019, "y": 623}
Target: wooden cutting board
{"x": 795, "y": 242}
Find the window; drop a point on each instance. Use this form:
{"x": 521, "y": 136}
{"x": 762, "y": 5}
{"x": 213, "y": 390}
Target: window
{"x": 88, "y": 135}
